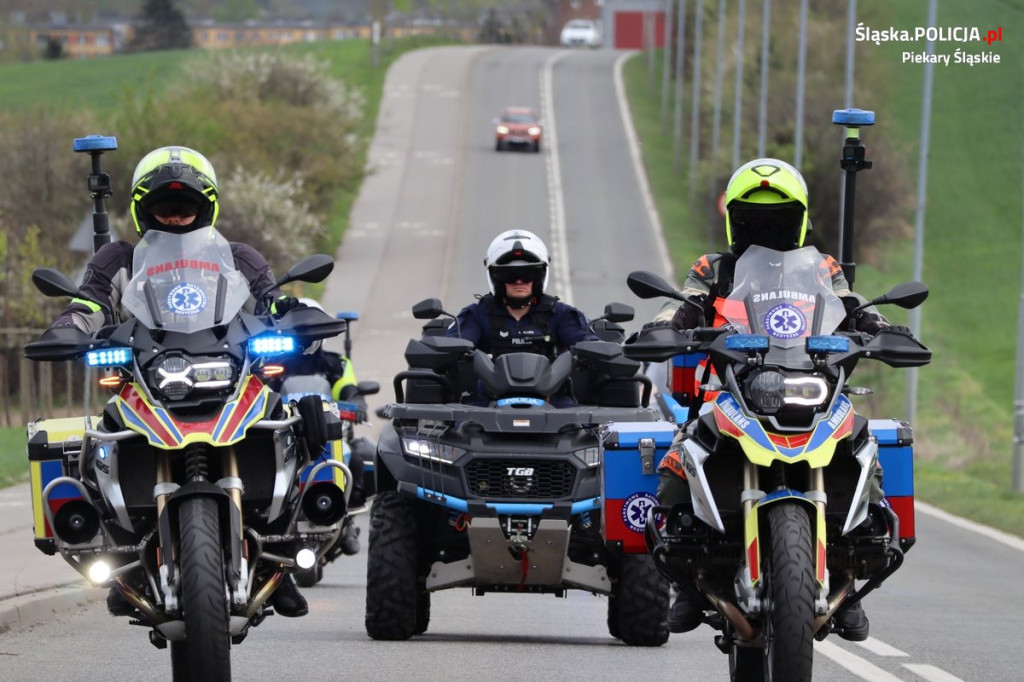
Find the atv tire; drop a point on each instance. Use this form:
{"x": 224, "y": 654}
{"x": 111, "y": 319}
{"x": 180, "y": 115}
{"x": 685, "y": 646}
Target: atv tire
{"x": 392, "y": 589}
{"x": 638, "y": 603}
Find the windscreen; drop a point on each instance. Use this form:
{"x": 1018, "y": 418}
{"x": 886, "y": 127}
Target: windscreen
{"x": 184, "y": 282}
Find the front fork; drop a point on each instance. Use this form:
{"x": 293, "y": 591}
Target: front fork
{"x": 750, "y": 586}
{"x": 230, "y": 487}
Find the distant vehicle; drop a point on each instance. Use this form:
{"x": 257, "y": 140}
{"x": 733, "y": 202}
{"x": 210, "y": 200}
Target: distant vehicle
{"x": 517, "y": 127}
{"x": 581, "y": 33}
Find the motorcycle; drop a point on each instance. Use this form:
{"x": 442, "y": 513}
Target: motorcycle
{"x": 355, "y": 452}
{"x": 499, "y": 491}
{"x": 184, "y": 494}
{"x": 780, "y": 523}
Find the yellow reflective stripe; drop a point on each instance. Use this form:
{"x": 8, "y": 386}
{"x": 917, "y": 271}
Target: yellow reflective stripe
{"x": 94, "y": 307}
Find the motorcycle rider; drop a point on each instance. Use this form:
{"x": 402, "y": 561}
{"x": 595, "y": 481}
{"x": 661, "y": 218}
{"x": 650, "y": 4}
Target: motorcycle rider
{"x": 174, "y": 189}
{"x": 766, "y": 205}
{"x": 517, "y": 316}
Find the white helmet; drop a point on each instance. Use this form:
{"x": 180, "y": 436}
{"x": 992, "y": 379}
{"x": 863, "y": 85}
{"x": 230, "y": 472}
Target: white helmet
{"x": 312, "y": 303}
{"x": 516, "y": 250}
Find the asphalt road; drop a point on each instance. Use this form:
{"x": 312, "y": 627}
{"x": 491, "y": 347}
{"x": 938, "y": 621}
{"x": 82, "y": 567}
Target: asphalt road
{"x": 437, "y": 194}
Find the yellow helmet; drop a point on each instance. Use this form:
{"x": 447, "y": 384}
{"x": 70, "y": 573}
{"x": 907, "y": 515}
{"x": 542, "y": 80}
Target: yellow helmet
{"x": 174, "y": 176}
{"x": 766, "y": 204}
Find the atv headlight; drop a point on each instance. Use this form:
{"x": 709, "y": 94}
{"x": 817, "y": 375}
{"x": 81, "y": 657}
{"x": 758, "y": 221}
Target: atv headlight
{"x": 502, "y": 130}
{"x": 533, "y": 130}
{"x": 432, "y": 450}
{"x": 590, "y": 457}
{"x": 770, "y": 390}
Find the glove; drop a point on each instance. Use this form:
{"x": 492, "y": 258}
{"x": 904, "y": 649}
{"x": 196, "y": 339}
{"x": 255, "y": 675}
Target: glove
{"x": 870, "y": 323}
{"x": 688, "y": 315}
{"x": 283, "y": 304}
{"x": 900, "y": 328}
{"x": 657, "y": 324}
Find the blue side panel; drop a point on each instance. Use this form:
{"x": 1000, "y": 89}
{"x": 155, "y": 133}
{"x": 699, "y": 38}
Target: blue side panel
{"x": 623, "y": 473}
{"x": 688, "y": 359}
{"x": 896, "y": 455}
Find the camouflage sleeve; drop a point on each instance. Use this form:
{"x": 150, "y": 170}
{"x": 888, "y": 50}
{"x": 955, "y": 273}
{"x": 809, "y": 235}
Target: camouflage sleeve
{"x": 702, "y": 275}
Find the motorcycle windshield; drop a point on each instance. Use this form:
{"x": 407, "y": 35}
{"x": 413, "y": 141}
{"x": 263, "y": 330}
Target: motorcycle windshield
{"x": 184, "y": 282}
{"x": 787, "y": 296}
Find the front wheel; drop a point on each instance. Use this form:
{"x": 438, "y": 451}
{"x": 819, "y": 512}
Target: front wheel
{"x": 790, "y": 586}
{"x": 392, "y": 590}
{"x": 205, "y": 655}
{"x": 638, "y": 603}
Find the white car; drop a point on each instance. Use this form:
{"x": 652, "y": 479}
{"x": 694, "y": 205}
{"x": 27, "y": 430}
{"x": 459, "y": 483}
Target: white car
{"x": 581, "y": 33}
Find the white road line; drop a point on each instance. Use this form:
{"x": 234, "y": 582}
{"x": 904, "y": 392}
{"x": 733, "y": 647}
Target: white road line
{"x": 1007, "y": 539}
{"x": 880, "y": 648}
{"x": 638, "y": 167}
{"x": 931, "y": 673}
{"x": 556, "y": 204}
{"x": 855, "y": 664}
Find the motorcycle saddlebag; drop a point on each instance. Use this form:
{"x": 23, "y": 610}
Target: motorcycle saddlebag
{"x": 631, "y": 452}
{"x": 896, "y": 456}
{"x": 52, "y": 445}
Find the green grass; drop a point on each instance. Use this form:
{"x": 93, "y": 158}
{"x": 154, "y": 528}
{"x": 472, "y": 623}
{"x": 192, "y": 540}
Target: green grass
{"x": 13, "y": 458}
{"x": 972, "y": 243}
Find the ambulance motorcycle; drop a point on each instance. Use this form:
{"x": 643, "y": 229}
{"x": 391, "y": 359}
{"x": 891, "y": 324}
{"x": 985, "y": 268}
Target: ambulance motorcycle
{"x": 779, "y": 527}
{"x": 185, "y": 493}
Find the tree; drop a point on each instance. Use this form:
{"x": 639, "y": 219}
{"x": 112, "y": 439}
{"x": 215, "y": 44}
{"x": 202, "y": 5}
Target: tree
{"x": 160, "y": 25}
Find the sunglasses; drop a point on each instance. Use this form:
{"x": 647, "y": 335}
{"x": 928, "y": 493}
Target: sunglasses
{"x": 171, "y": 209}
{"x": 526, "y": 274}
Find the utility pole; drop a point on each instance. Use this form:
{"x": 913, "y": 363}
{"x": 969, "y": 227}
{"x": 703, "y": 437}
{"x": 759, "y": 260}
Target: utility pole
{"x": 762, "y": 114}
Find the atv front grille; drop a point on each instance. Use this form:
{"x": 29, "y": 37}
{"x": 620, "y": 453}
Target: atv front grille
{"x": 520, "y": 478}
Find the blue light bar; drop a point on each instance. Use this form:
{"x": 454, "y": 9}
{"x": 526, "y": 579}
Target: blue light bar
{"x": 108, "y": 357}
{"x": 347, "y": 315}
{"x": 95, "y": 143}
{"x": 272, "y": 345}
{"x": 853, "y": 118}
{"x": 746, "y": 342}
{"x": 828, "y": 344}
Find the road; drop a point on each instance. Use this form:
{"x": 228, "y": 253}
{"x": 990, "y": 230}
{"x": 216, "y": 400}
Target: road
{"x": 437, "y": 194}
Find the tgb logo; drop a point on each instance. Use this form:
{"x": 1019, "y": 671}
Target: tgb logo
{"x": 519, "y": 471}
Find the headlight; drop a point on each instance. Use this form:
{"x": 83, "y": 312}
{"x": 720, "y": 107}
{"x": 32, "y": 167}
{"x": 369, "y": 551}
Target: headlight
{"x": 176, "y": 376}
{"x": 502, "y": 130}
{"x": 770, "y": 391}
{"x": 533, "y": 131}
{"x": 432, "y": 450}
{"x": 590, "y": 457}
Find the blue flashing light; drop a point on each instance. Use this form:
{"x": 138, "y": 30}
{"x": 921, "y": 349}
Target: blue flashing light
{"x": 853, "y": 118}
{"x": 95, "y": 143}
{"x": 828, "y": 344}
{"x": 349, "y": 315}
{"x": 746, "y": 342}
{"x": 272, "y": 345}
{"x": 108, "y": 357}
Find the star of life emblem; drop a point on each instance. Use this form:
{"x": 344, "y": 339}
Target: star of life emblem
{"x": 785, "y": 321}
{"x": 635, "y": 508}
{"x": 186, "y": 299}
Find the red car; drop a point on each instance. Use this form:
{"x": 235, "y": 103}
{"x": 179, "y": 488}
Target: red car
{"x": 517, "y": 126}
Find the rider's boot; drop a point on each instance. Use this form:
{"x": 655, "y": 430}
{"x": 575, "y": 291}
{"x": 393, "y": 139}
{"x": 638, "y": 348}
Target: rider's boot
{"x": 287, "y": 600}
{"x": 851, "y": 623}
{"x": 117, "y": 605}
{"x": 684, "y": 615}
{"x": 349, "y": 537}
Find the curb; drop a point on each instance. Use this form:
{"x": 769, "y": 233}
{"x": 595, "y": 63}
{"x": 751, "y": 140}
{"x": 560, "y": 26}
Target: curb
{"x": 26, "y": 610}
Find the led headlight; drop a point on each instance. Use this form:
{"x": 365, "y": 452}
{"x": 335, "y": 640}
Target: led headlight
{"x": 432, "y": 450}
{"x": 502, "y": 130}
{"x": 533, "y": 131}
{"x": 173, "y": 377}
{"x": 212, "y": 374}
{"x": 770, "y": 391}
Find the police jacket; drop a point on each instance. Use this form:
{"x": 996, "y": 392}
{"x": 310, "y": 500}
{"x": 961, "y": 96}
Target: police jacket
{"x": 548, "y": 327}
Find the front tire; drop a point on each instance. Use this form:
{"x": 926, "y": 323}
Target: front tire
{"x": 638, "y": 603}
{"x": 791, "y": 585}
{"x": 205, "y": 655}
{"x": 392, "y": 590}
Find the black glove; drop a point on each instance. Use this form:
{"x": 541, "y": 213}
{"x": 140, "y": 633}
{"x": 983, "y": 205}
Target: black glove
{"x": 657, "y": 324}
{"x": 689, "y": 315}
{"x": 870, "y": 323}
{"x": 283, "y": 304}
{"x": 900, "y": 328}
